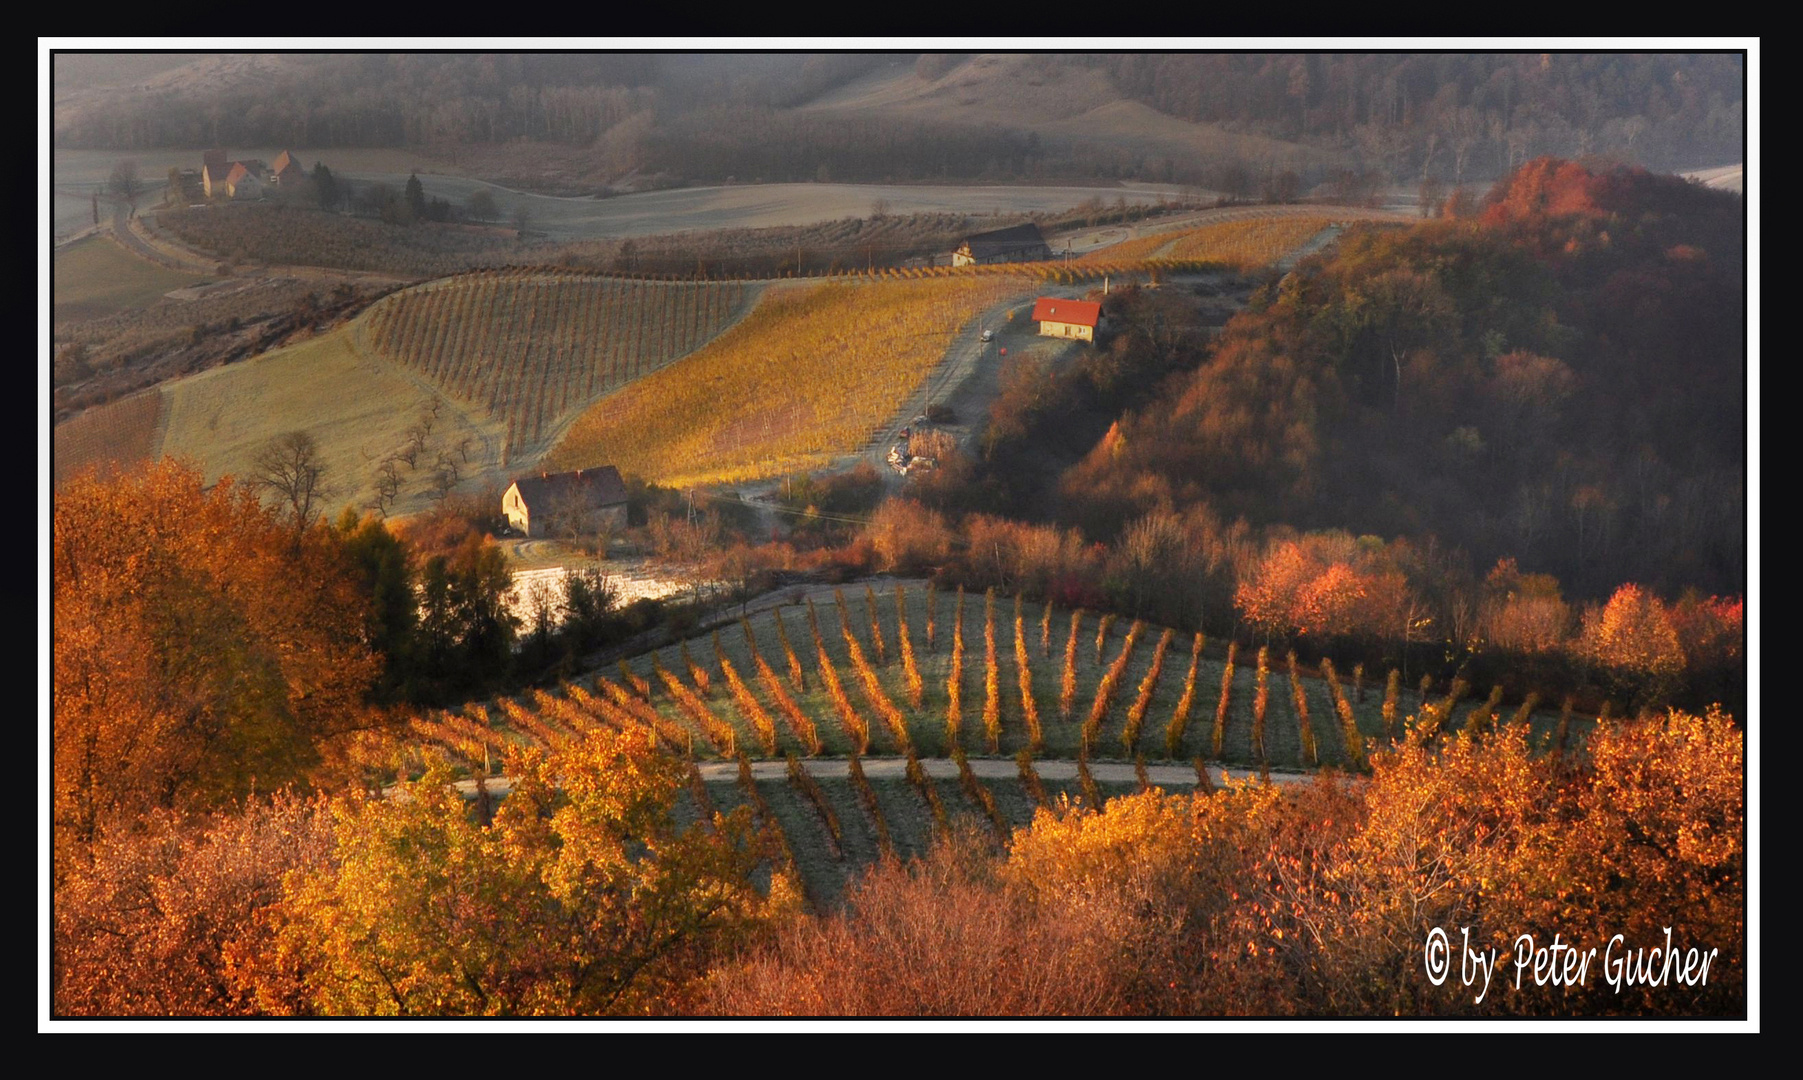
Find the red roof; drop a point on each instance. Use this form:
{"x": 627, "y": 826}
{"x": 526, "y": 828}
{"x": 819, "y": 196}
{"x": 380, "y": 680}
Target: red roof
{"x": 1077, "y": 312}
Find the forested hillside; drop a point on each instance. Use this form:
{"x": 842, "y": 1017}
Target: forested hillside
{"x": 1560, "y": 380}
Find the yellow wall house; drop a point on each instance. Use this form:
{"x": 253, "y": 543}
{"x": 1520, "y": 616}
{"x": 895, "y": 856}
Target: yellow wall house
{"x": 1067, "y": 318}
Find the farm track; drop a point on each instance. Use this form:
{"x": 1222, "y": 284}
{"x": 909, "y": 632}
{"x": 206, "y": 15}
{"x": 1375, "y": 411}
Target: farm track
{"x": 895, "y": 768}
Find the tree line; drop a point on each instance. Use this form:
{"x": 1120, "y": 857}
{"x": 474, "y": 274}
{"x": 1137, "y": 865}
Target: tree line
{"x": 1454, "y": 117}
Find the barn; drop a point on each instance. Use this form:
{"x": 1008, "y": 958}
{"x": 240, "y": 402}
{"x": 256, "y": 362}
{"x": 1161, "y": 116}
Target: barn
{"x": 1060, "y": 318}
{"x": 567, "y": 504}
{"x": 1021, "y": 243}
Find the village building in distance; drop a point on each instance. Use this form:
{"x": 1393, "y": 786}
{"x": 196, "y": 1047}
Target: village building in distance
{"x": 222, "y": 178}
{"x": 567, "y": 504}
{"x": 1021, "y": 243}
{"x": 286, "y": 172}
{"x": 1059, "y": 318}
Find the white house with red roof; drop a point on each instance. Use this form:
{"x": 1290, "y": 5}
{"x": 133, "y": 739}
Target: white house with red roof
{"x": 1061, "y": 318}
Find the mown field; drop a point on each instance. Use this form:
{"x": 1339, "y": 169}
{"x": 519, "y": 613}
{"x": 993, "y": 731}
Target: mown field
{"x": 532, "y": 348}
{"x": 95, "y": 277}
{"x": 357, "y": 409}
{"x": 807, "y": 375}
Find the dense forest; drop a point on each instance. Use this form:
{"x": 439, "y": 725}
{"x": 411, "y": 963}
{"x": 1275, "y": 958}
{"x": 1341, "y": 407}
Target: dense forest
{"x": 1458, "y": 115}
{"x": 1560, "y": 380}
{"x": 1453, "y": 117}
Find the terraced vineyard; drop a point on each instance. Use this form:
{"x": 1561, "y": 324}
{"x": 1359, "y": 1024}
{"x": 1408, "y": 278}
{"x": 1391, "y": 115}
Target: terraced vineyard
{"x": 809, "y": 374}
{"x": 534, "y": 347}
{"x": 830, "y": 678}
{"x": 766, "y": 687}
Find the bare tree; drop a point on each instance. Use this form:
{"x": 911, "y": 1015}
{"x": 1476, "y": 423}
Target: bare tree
{"x": 125, "y": 182}
{"x": 442, "y": 483}
{"x": 291, "y": 467}
{"x": 388, "y": 485}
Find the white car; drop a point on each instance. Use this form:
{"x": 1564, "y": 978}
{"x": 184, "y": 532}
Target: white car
{"x": 989, "y": 335}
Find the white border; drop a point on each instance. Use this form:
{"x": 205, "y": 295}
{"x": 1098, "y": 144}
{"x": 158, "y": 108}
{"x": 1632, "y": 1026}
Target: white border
{"x": 906, "y": 44}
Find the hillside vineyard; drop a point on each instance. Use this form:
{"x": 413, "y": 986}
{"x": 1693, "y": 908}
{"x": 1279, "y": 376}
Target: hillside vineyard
{"x": 531, "y": 346}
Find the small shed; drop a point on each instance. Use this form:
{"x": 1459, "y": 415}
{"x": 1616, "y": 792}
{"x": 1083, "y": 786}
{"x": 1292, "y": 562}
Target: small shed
{"x": 567, "y": 504}
{"x": 1062, "y": 318}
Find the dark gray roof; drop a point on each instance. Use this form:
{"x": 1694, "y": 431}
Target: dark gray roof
{"x": 600, "y": 487}
{"x": 1016, "y": 240}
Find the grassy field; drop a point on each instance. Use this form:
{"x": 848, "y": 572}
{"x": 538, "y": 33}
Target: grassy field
{"x": 809, "y": 374}
{"x": 732, "y": 726}
{"x": 118, "y": 434}
{"x": 356, "y": 409}
{"x": 96, "y": 277}
{"x": 533, "y": 348}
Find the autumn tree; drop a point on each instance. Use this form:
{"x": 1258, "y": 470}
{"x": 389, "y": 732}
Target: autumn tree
{"x": 199, "y": 650}
{"x": 157, "y": 923}
{"x": 1633, "y": 638}
{"x": 583, "y": 898}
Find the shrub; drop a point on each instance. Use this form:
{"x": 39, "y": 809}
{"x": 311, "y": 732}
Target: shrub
{"x": 992, "y": 690}
{"x": 855, "y": 729}
{"x": 1109, "y": 684}
{"x": 1067, "y": 694}
{"x": 1023, "y": 670}
{"x": 1392, "y": 688}
{"x": 1179, "y": 722}
{"x": 805, "y": 783}
{"x": 1029, "y": 777}
{"x": 867, "y": 796}
{"x": 1305, "y": 726}
{"x": 761, "y": 721}
{"x": 954, "y": 680}
{"x": 910, "y": 668}
{"x": 1136, "y": 713}
{"x": 796, "y": 678}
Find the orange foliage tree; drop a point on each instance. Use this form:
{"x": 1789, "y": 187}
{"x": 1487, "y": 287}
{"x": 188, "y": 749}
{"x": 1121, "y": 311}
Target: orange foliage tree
{"x": 190, "y": 666}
